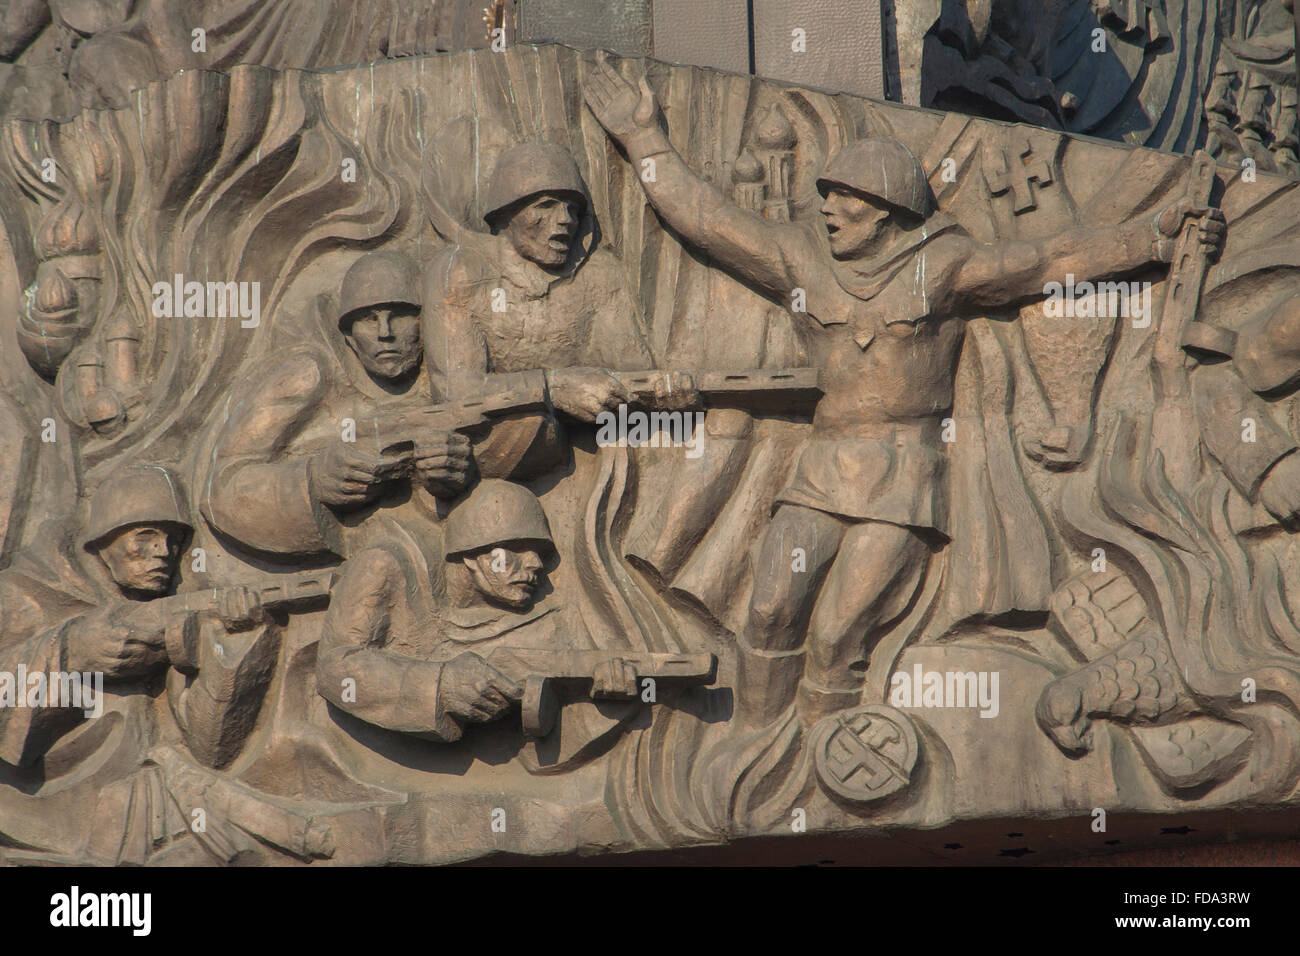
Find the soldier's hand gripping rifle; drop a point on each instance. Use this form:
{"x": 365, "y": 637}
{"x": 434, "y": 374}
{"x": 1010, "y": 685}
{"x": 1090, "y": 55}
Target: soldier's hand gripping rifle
{"x": 179, "y": 614}
{"x": 549, "y": 676}
{"x": 784, "y": 390}
{"x": 795, "y": 390}
{"x": 394, "y": 429}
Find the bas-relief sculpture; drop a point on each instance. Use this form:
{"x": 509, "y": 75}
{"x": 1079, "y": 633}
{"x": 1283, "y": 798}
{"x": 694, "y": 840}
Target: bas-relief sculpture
{"x": 615, "y": 456}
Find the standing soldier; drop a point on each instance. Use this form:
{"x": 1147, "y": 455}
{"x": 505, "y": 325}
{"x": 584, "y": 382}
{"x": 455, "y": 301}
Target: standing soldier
{"x": 867, "y": 504}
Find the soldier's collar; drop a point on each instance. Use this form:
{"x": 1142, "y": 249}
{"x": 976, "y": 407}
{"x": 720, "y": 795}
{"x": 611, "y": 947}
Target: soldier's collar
{"x": 864, "y": 278}
{"x": 419, "y": 393}
{"x": 484, "y": 616}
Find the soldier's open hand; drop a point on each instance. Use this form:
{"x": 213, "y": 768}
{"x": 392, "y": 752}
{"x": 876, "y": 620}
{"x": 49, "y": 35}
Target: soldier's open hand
{"x": 444, "y": 463}
{"x": 585, "y": 392}
{"x": 347, "y": 476}
{"x": 471, "y": 689}
{"x": 621, "y": 108}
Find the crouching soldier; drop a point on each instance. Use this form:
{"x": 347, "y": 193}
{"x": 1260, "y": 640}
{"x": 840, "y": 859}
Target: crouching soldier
{"x": 85, "y": 609}
{"x": 497, "y": 644}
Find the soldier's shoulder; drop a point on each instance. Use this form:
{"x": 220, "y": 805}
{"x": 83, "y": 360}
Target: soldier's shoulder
{"x": 460, "y": 265}
{"x": 375, "y": 564}
{"x": 299, "y": 371}
{"x": 946, "y": 236}
{"x": 602, "y": 269}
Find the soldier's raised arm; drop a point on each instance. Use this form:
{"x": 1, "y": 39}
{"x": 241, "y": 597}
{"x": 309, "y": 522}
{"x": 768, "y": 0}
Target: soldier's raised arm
{"x": 770, "y": 256}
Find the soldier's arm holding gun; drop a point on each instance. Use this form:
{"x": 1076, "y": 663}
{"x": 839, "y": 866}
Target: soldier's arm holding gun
{"x": 755, "y": 389}
{"x": 358, "y": 673}
{"x": 547, "y": 677}
{"x": 458, "y": 286}
{"x": 166, "y": 628}
{"x": 130, "y": 640}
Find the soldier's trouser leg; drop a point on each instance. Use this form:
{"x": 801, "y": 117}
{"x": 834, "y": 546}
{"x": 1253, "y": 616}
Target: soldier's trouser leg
{"x": 797, "y": 550}
{"x": 871, "y": 584}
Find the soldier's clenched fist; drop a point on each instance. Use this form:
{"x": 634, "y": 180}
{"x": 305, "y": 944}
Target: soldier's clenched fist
{"x": 118, "y": 648}
{"x": 346, "y": 476}
{"x": 585, "y": 392}
{"x": 240, "y": 608}
{"x": 471, "y": 689}
{"x": 444, "y": 463}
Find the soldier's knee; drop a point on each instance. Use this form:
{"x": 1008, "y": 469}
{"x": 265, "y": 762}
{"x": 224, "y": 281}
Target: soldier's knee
{"x": 773, "y": 613}
{"x": 836, "y": 652}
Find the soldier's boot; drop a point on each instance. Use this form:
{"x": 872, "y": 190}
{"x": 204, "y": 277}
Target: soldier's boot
{"x": 766, "y": 682}
{"x": 1135, "y": 683}
{"x": 816, "y": 701}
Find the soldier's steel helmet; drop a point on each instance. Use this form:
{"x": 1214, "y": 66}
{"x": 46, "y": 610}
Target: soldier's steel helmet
{"x": 529, "y": 169}
{"x": 881, "y": 168}
{"x": 138, "y": 494}
{"x": 378, "y": 278}
{"x": 496, "y": 512}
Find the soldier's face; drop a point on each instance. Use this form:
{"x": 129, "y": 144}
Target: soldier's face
{"x": 386, "y": 340}
{"x": 507, "y": 576}
{"x": 853, "y": 222}
{"x": 143, "y": 558}
{"x": 542, "y": 230}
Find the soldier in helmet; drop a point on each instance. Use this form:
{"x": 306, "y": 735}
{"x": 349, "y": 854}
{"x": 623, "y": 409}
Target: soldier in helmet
{"x": 530, "y": 298}
{"x": 80, "y": 596}
{"x": 288, "y": 477}
{"x": 381, "y": 661}
{"x": 379, "y": 316}
{"x": 83, "y": 600}
{"x": 65, "y": 603}
{"x": 496, "y": 544}
{"x": 885, "y": 293}
{"x": 137, "y": 528}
